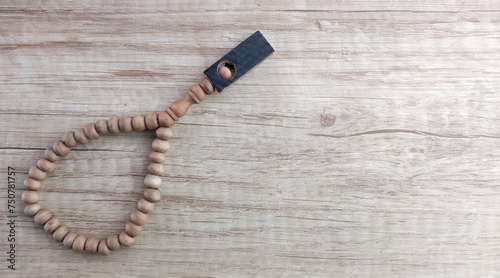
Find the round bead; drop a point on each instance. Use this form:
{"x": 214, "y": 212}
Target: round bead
{"x": 152, "y": 181}
{"x": 51, "y": 225}
{"x": 90, "y": 131}
{"x": 112, "y": 242}
{"x": 138, "y": 123}
{"x": 32, "y": 209}
{"x": 80, "y": 136}
{"x": 30, "y": 197}
{"x": 42, "y": 217}
{"x": 225, "y": 73}
{"x": 91, "y": 244}
{"x": 102, "y": 248}
{"x": 125, "y": 239}
{"x": 113, "y": 125}
{"x": 138, "y": 217}
{"x": 60, "y": 149}
{"x": 125, "y": 124}
{"x": 160, "y": 146}
{"x": 60, "y": 233}
{"x": 156, "y": 169}
{"x": 101, "y": 127}
{"x": 32, "y": 184}
{"x": 37, "y": 174}
{"x": 207, "y": 86}
{"x": 132, "y": 229}
{"x": 156, "y": 157}
{"x": 79, "y": 243}
{"x": 152, "y": 120}
{"x": 45, "y": 165}
{"x": 165, "y": 120}
{"x": 69, "y": 239}
{"x": 196, "y": 93}
{"x": 50, "y": 155}
{"x": 69, "y": 139}
{"x": 152, "y": 195}
{"x": 164, "y": 133}
{"x": 145, "y": 206}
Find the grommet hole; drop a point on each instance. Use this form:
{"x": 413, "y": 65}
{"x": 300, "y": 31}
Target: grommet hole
{"x": 226, "y": 70}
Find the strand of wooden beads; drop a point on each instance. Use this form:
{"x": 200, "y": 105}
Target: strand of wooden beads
{"x": 161, "y": 122}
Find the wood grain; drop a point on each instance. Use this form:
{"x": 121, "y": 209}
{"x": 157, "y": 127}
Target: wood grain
{"x": 367, "y": 145}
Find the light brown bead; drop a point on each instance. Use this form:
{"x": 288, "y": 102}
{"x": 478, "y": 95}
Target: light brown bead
{"x": 69, "y": 239}
{"x": 164, "y": 133}
{"x": 125, "y": 239}
{"x": 152, "y": 120}
{"x": 69, "y": 139}
{"x": 125, "y": 124}
{"x": 156, "y": 169}
{"x": 112, "y": 242}
{"x": 156, "y": 157}
{"x": 45, "y": 165}
{"x": 145, "y": 206}
{"x": 50, "y": 155}
{"x": 152, "y": 181}
{"x": 138, "y": 123}
{"x": 152, "y": 195}
{"x": 37, "y": 174}
{"x": 60, "y": 149}
{"x": 91, "y": 244}
{"x": 32, "y": 184}
{"x": 165, "y": 120}
{"x": 32, "y": 209}
{"x": 30, "y": 197}
{"x": 196, "y": 93}
{"x": 225, "y": 73}
{"x": 172, "y": 114}
{"x": 181, "y": 106}
{"x": 101, "y": 127}
{"x": 102, "y": 248}
{"x": 42, "y": 217}
{"x": 138, "y": 217}
{"x": 51, "y": 225}
{"x": 80, "y": 136}
{"x": 207, "y": 86}
{"x": 90, "y": 131}
{"x": 160, "y": 146}
{"x": 113, "y": 125}
{"x": 132, "y": 229}
{"x": 79, "y": 243}
{"x": 60, "y": 233}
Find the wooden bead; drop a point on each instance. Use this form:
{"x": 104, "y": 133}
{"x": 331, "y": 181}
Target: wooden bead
{"x": 42, "y": 217}
{"x": 152, "y": 195}
{"x": 125, "y": 239}
{"x": 207, "y": 86}
{"x": 172, "y": 114}
{"x": 145, "y": 206}
{"x": 160, "y": 146}
{"x": 32, "y": 209}
{"x": 37, "y": 174}
{"x": 102, "y": 248}
{"x": 91, "y": 244}
{"x": 152, "y": 181}
{"x": 30, "y": 197}
{"x": 45, "y": 165}
{"x": 79, "y": 243}
{"x": 112, "y": 242}
{"x": 156, "y": 157}
{"x": 101, "y": 127}
{"x": 132, "y": 229}
{"x": 69, "y": 139}
{"x": 60, "y": 233}
{"x": 60, "y": 149}
{"x": 165, "y": 120}
{"x": 32, "y": 184}
{"x": 152, "y": 120}
{"x": 138, "y": 217}
{"x": 51, "y": 225}
{"x": 113, "y": 125}
{"x": 225, "y": 73}
{"x": 125, "y": 124}
{"x": 50, "y": 155}
{"x": 139, "y": 123}
{"x": 196, "y": 93}
{"x": 90, "y": 131}
{"x": 69, "y": 239}
{"x": 80, "y": 136}
{"x": 164, "y": 133}
{"x": 156, "y": 169}
{"x": 181, "y": 106}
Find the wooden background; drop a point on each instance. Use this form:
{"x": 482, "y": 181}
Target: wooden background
{"x": 367, "y": 145}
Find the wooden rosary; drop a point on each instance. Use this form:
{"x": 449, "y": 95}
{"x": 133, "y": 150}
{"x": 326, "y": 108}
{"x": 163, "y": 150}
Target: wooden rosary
{"x": 217, "y": 77}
